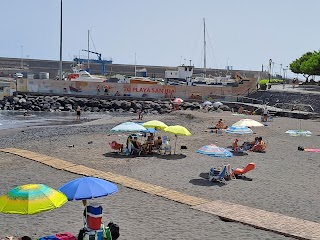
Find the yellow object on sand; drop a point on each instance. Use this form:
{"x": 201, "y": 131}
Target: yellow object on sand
{"x": 155, "y": 124}
{"x": 31, "y": 199}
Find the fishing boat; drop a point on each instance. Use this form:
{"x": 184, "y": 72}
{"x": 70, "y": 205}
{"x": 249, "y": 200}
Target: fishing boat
{"x": 83, "y": 76}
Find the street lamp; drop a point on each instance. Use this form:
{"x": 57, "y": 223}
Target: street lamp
{"x": 21, "y": 57}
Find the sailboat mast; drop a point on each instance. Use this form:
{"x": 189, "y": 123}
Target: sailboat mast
{"x": 60, "y": 63}
{"x": 204, "y": 48}
{"x": 88, "y": 49}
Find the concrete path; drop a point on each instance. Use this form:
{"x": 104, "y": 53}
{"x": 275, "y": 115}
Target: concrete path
{"x": 284, "y": 225}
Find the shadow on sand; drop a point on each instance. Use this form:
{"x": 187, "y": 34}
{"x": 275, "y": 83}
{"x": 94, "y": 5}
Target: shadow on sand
{"x": 205, "y": 182}
{"x": 170, "y": 157}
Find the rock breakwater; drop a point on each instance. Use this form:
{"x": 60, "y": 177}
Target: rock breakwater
{"x": 59, "y": 103}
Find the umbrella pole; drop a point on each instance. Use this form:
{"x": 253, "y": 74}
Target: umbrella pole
{"x": 175, "y": 144}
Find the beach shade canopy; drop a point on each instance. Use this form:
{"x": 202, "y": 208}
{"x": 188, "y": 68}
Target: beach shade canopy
{"x": 248, "y": 123}
{"x": 177, "y": 130}
{"x": 299, "y": 133}
{"x": 149, "y": 130}
{"x": 217, "y": 104}
{"x": 207, "y": 103}
{"x": 155, "y": 124}
{"x": 128, "y": 127}
{"x": 31, "y": 199}
{"x": 178, "y": 100}
{"x": 87, "y": 188}
{"x": 239, "y": 130}
{"x": 214, "y": 151}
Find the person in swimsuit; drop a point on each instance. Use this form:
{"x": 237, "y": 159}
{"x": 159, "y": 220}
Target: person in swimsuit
{"x": 78, "y": 112}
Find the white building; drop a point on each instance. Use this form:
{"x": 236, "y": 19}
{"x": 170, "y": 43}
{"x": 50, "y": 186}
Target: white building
{"x": 182, "y": 73}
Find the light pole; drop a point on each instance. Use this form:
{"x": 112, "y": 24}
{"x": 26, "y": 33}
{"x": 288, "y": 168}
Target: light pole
{"x": 270, "y": 63}
{"x": 21, "y": 57}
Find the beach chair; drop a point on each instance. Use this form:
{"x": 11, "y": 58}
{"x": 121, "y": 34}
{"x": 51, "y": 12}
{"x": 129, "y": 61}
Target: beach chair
{"x": 134, "y": 149}
{"x": 220, "y": 176}
{"x": 165, "y": 147}
{"x": 239, "y": 172}
{"x": 116, "y": 146}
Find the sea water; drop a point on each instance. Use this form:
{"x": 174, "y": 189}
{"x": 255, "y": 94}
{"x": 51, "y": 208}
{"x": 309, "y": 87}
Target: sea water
{"x": 16, "y": 119}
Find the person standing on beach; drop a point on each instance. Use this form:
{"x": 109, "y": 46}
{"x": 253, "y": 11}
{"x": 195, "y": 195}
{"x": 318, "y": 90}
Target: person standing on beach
{"x": 98, "y": 89}
{"x": 78, "y": 112}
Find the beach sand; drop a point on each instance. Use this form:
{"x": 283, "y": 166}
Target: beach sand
{"x": 285, "y": 180}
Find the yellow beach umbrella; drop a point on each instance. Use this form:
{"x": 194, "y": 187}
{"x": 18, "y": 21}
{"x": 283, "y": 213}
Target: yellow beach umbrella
{"x": 31, "y": 199}
{"x": 155, "y": 124}
{"x": 248, "y": 123}
{"x": 177, "y": 130}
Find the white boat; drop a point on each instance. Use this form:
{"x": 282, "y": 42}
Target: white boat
{"x": 83, "y": 76}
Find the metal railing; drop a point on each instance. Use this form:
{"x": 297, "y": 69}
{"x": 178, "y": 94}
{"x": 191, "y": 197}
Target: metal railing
{"x": 294, "y": 107}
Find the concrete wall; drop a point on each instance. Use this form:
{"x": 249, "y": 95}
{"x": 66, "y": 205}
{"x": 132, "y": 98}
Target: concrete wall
{"x": 153, "y": 91}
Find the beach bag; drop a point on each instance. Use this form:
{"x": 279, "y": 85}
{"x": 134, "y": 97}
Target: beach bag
{"x": 106, "y": 233}
{"x": 49, "y": 238}
{"x": 65, "y": 236}
{"x": 114, "y": 229}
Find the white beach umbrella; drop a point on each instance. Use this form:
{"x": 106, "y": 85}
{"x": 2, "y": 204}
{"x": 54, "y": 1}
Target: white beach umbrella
{"x": 217, "y": 104}
{"x": 248, "y": 123}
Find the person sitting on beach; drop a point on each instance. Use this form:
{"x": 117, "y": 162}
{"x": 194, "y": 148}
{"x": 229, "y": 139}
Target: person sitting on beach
{"x": 19, "y": 238}
{"x": 235, "y": 146}
{"x": 220, "y": 125}
{"x": 150, "y": 142}
{"x": 158, "y": 142}
{"x": 240, "y": 110}
{"x": 260, "y": 146}
{"x": 136, "y": 144}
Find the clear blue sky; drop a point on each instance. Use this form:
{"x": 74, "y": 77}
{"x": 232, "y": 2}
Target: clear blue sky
{"x": 244, "y": 33}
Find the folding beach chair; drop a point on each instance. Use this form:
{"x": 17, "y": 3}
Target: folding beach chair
{"x": 239, "y": 172}
{"x": 116, "y": 146}
{"x": 220, "y": 176}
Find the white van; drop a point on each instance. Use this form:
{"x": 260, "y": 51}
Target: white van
{"x": 18, "y": 75}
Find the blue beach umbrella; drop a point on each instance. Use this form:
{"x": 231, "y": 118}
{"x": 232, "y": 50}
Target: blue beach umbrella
{"x": 87, "y": 188}
{"x": 148, "y": 130}
{"x": 239, "y": 130}
{"x": 214, "y": 151}
{"x": 128, "y": 127}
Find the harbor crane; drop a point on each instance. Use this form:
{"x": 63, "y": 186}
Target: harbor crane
{"x": 98, "y": 54}
{"x": 101, "y": 61}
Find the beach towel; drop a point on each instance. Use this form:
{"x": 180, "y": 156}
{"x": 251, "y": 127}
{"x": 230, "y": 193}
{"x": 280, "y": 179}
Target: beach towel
{"x": 312, "y": 150}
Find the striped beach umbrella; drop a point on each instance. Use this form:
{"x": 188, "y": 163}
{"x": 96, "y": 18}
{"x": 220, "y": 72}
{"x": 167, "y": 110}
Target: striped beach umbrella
{"x": 239, "y": 130}
{"x": 31, "y": 199}
{"x": 214, "y": 151}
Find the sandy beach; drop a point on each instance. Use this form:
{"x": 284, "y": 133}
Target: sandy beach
{"x": 285, "y": 180}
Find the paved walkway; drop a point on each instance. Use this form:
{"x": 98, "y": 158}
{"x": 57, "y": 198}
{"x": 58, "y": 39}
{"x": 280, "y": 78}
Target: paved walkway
{"x": 288, "y": 226}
